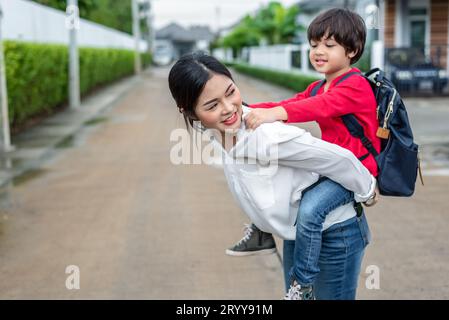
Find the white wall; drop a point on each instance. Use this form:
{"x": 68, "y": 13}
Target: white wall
{"x": 223, "y": 54}
{"x": 377, "y": 55}
{"x": 276, "y": 57}
{"x": 29, "y": 21}
{"x": 279, "y": 57}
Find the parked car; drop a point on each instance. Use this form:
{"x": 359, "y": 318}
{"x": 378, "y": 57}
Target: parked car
{"x": 162, "y": 55}
{"x": 410, "y": 70}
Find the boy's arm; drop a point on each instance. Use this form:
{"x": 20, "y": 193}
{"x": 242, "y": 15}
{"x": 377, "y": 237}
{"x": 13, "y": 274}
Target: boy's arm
{"x": 266, "y": 105}
{"x": 272, "y": 111}
{"x": 348, "y": 97}
{"x": 294, "y": 147}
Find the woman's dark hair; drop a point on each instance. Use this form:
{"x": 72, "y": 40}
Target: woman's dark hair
{"x": 347, "y": 27}
{"x": 188, "y": 77}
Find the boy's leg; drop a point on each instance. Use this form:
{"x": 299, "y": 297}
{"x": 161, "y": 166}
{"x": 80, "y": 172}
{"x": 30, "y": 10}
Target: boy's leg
{"x": 287, "y": 261}
{"x": 315, "y": 204}
{"x": 255, "y": 241}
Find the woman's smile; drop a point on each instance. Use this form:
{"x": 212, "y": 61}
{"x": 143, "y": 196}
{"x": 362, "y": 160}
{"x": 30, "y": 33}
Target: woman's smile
{"x": 231, "y": 120}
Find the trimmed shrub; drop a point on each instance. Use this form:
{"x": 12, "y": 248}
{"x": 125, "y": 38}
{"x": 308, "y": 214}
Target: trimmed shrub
{"x": 37, "y": 75}
{"x": 295, "y": 81}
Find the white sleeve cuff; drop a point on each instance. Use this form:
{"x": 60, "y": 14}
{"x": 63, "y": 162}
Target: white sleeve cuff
{"x": 365, "y": 197}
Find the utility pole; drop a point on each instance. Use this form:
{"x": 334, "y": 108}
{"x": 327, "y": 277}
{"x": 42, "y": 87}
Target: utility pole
{"x": 5, "y": 132}
{"x": 145, "y": 14}
{"x": 73, "y": 24}
{"x": 150, "y": 24}
{"x": 136, "y": 33}
{"x": 217, "y": 17}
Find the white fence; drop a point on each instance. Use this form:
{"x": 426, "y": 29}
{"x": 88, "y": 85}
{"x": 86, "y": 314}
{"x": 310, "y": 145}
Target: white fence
{"x": 280, "y": 57}
{"x": 223, "y": 54}
{"x": 29, "y": 21}
{"x": 273, "y": 57}
{"x": 377, "y": 55}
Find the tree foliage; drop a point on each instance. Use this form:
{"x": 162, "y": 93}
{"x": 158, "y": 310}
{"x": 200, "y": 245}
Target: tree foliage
{"x": 273, "y": 24}
{"x": 243, "y": 35}
{"x": 111, "y": 13}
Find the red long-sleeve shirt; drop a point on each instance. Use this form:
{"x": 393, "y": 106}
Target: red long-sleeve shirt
{"x": 352, "y": 95}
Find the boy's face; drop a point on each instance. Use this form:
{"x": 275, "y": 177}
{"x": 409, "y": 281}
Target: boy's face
{"x": 329, "y": 57}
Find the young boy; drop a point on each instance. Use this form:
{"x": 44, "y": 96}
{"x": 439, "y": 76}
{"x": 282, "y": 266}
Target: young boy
{"x": 337, "y": 40}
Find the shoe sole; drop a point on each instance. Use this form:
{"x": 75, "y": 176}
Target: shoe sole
{"x": 249, "y": 253}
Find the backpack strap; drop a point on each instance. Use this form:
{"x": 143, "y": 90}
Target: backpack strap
{"x": 356, "y": 130}
{"x": 352, "y": 124}
{"x": 322, "y": 82}
{"x": 317, "y": 87}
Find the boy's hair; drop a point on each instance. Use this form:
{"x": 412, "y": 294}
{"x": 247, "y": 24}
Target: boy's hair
{"x": 347, "y": 27}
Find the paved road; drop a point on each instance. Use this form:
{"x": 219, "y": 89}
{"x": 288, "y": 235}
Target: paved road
{"x": 430, "y": 122}
{"x": 140, "y": 227}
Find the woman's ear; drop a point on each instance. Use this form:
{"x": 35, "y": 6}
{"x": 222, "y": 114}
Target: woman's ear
{"x": 186, "y": 114}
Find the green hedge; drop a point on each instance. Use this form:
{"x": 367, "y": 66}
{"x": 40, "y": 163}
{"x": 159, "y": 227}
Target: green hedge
{"x": 37, "y": 75}
{"x": 294, "y": 81}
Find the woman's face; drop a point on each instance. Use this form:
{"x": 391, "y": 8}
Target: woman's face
{"x": 220, "y": 105}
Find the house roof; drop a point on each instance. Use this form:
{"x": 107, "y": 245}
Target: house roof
{"x": 308, "y": 6}
{"x": 175, "y": 32}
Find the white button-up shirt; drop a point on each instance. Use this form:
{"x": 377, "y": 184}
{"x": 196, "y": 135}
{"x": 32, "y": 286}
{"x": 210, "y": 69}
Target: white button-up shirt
{"x": 269, "y": 167}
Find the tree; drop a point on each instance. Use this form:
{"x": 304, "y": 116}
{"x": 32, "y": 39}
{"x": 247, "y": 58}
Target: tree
{"x": 245, "y": 34}
{"x": 85, "y": 6}
{"x": 274, "y": 24}
{"x": 114, "y": 14}
{"x": 111, "y": 13}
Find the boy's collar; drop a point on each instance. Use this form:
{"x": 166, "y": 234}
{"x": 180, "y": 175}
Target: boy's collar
{"x": 353, "y": 69}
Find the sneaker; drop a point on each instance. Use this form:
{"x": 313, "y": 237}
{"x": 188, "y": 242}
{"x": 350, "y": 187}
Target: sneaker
{"x": 254, "y": 242}
{"x": 296, "y": 292}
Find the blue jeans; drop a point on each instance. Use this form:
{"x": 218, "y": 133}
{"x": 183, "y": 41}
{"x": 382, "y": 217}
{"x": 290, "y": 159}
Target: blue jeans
{"x": 342, "y": 249}
{"x": 316, "y": 203}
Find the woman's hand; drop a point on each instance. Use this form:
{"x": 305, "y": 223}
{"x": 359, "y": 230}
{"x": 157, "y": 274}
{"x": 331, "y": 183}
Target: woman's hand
{"x": 261, "y": 115}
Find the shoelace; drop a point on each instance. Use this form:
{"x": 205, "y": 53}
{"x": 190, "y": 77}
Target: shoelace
{"x": 247, "y": 233}
{"x": 293, "y": 293}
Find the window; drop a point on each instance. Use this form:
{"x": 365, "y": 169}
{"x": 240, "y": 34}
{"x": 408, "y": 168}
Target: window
{"x": 418, "y": 34}
{"x": 418, "y": 24}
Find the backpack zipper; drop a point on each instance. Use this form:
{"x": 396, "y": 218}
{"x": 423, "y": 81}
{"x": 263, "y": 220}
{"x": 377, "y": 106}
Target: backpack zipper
{"x": 389, "y": 110}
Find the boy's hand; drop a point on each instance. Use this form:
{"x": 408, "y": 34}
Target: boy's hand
{"x": 260, "y": 115}
{"x": 373, "y": 200}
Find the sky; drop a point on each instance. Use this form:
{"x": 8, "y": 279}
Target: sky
{"x": 214, "y": 13}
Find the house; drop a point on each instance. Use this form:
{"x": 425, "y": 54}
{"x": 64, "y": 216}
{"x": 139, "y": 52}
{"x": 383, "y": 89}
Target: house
{"x": 418, "y": 24}
{"x": 415, "y": 38}
{"x": 173, "y": 41}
